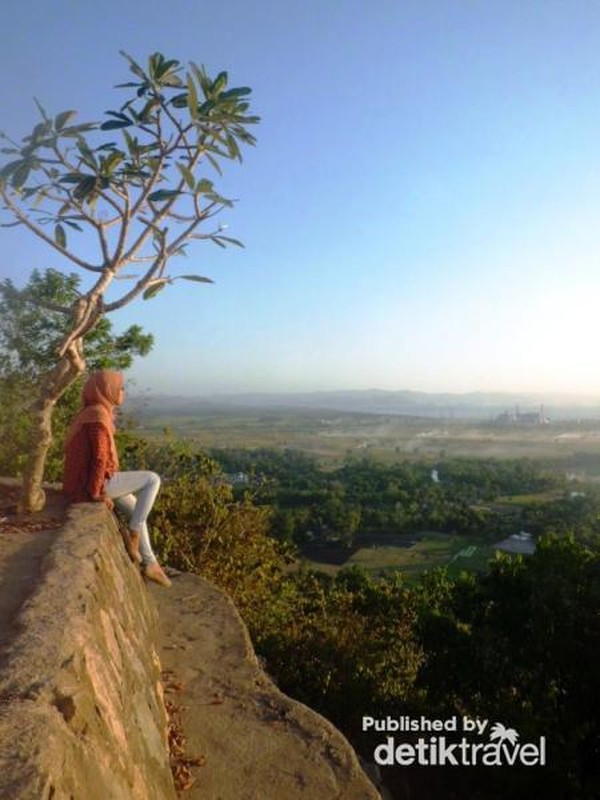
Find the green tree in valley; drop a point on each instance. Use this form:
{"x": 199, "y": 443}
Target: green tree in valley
{"x": 137, "y": 184}
{"x": 520, "y": 645}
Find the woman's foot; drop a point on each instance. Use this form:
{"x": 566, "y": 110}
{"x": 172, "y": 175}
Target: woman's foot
{"x": 132, "y": 545}
{"x": 154, "y": 573}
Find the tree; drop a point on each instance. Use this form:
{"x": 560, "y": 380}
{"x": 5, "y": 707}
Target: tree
{"x": 29, "y": 336}
{"x": 136, "y": 183}
{"x": 519, "y": 645}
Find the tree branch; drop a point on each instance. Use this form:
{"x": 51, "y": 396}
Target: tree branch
{"x": 103, "y": 244}
{"x": 45, "y": 305}
{"x": 142, "y": 284}
{"x": 42, "y": 235}
{"x": 125, "y": 222}
{"x": 160, "y": 215}
{"x": 89, "y": 309}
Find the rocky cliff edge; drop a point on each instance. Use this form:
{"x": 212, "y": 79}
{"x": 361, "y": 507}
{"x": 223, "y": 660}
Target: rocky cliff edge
{"x": 82, "y": 715}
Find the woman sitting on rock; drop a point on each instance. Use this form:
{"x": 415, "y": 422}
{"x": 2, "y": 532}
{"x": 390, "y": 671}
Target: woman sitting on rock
{"x": 92, "y": 468}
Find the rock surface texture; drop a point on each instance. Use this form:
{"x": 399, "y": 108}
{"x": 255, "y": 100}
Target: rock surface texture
{"x": 81, "y": 703}
{"x": 81, "y": 711}
{"x": 258, "y": 743}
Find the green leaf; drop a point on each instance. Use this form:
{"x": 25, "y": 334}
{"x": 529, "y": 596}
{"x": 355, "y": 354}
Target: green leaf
{"x": 63, "y": 118}
{"x": 20, "y": 175}
{"x": 86, "y": 154}
{"x": 163, "y": 194}
{"x": 133, "y": 66}
{"x": 145, "y": 113}
{"x": 113, "y": 125}
{"x": 217, "y": 198}
{"x": 59, "y": 236}
{"x": 86, "y": 188}
{"x": 41, "y": 195}
{"x": 180, "y": 100}
{"x": 202, "y": 78}
{"x": 154, "y": 65}
{"x": 206, "y": 107}
{"x": 169, "y": 66}
{"x": 241, "y": 91}
{"x": 118, "y": 115}
{"x": 77, "y": 130}
{"x": 112, "y": 162}
{"x": 41, "y": 109}
{"x": 40, "y": 130}
{"x": 196, "y": 278}
{"x": 10, "y": 168}
{"x": 72, "y": 177}
{"x": 220, "y": 82}
{"x": 236, "y": 242}
{"x": 187, "y": 175}
{"x": 132, "y": 143}
{"x": 35, "y": 190}
{"x": 233, "y": 149}
{"x": 192, "y": 98}
{"x": 214, "y": 163}
{"x": 154, "y": 288}
{"x": 73, "y": 225}
{"x": 169, "y": 76}
{"x": 204, "y": 185}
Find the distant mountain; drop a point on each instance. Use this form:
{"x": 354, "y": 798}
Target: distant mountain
{"x": 472, "y": 405}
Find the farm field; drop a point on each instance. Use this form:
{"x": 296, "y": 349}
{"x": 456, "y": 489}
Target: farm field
{"x": 432, "y": 550}
{"x": 333, "y": 436}
{"x": 337, "y": 438}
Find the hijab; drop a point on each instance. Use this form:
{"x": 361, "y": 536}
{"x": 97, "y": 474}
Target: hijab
{"x": 100, "y": 396}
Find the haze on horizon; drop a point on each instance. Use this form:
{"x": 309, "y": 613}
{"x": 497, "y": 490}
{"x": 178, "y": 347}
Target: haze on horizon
{"x": 422, "y": 209}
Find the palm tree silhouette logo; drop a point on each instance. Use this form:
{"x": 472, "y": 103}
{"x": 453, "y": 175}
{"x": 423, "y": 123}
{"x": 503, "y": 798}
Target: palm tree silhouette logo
{"x": 502, "y": 734}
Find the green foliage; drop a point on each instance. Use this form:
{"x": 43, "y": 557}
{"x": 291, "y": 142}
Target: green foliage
{"x": 198, "y": 527}
{"x": 133, "y": 169}
{"x": 520, "y": 645}
{"x": 364, "y": 498}
{"x": 345, "y": 645}
{"x": 30, "y": 331}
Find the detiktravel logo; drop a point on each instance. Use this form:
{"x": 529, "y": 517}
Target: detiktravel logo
{"x": 481, "y": 744}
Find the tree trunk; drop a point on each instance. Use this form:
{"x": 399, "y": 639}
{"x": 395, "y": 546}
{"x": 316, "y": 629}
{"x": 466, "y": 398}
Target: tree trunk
{"x": 52, "y": 386}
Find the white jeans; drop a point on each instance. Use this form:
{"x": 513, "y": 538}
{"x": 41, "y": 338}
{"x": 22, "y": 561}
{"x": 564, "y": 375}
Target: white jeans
{"x": 134, "y": 493}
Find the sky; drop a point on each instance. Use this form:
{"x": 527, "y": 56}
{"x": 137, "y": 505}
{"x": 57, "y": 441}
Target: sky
{"x": 421, "y": 210}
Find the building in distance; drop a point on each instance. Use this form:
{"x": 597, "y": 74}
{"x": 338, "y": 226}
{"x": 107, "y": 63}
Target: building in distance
{"x": 516, "y": 418}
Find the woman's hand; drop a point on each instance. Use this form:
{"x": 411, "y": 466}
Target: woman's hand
{"x": 104, "y": 499}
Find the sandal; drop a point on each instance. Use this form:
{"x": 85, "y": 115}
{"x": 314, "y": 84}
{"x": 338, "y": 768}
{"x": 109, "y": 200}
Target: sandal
{"x": 132, "y": 545}
{"x": 155, "y": 573}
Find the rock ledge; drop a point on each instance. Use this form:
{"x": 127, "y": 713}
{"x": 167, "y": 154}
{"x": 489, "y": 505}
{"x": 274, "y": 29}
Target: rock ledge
{"x": 81, "y": 703}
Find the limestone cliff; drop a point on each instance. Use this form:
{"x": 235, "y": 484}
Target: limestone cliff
{"x": 81, "y": 704}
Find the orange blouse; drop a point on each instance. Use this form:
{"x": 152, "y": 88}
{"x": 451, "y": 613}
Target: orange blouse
{"x": 88, "y": 464}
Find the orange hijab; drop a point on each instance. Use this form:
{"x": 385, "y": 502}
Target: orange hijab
{"x": 100, "y": 397}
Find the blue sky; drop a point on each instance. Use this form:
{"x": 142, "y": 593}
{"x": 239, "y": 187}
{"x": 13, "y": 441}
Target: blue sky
{"x": 422, "y": 209}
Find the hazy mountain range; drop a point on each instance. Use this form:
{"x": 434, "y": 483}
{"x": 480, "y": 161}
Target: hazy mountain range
{"x": 472, "y": 405}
